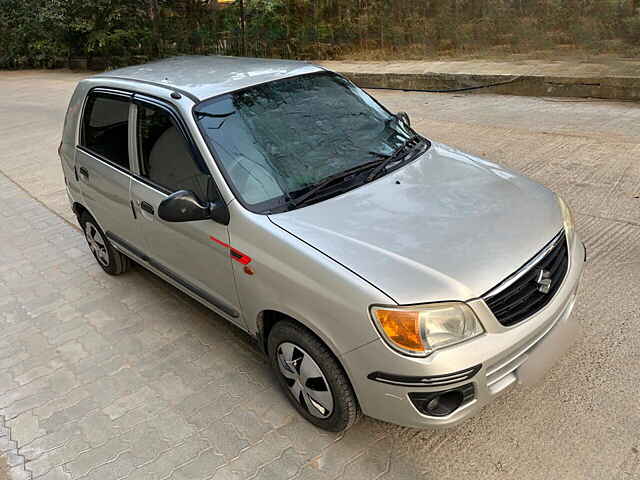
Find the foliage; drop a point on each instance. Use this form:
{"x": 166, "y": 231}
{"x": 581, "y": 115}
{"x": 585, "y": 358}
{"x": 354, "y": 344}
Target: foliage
{"x": 46, "y": 33}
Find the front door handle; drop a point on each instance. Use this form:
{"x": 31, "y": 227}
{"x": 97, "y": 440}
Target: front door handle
{"x": 147, "y": 207}
{"x": 84, "y": 172}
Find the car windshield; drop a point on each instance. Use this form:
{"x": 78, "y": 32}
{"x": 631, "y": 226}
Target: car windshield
{"x": 277, "y": 140}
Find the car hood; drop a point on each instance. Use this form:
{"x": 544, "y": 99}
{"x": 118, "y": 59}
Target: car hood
{"x": 447, "y": 226}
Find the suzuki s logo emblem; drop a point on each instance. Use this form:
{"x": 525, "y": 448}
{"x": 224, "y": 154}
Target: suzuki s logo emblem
{"x": 544, "y": 280}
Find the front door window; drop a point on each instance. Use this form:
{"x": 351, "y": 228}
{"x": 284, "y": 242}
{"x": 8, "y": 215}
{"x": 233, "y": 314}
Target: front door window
{"x": 166, "y": 158}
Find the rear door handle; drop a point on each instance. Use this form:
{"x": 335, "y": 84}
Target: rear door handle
{"x": 84, "y": 172}
{"x": 147, "y": 207}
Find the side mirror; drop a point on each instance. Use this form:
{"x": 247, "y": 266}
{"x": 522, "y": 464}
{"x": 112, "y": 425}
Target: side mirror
{"x": 404, "y": 118}
{"x": 184, "y": 206}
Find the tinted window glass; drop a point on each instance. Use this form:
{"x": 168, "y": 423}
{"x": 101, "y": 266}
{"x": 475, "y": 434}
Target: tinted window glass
{"x": 106, "y": 127}
{"x": 165, "y": 156}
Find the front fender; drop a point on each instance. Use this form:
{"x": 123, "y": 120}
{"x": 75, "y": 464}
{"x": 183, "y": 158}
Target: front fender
{"x": 291, "y": 277}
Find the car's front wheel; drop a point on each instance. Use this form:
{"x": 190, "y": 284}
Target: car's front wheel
{"x": 312, "y": 378}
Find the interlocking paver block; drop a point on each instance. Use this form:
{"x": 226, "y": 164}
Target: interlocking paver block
{"x": 225, "y": 439}
{"x": 34, "y": 373}
{"x": 130, "y": 402}
{"x": 56, "y": 474}
{"x": 97, "y": 428}
{"x": 285, "y": 466}
{"x": 50, "y": 459}
{"x": 25, "y": 427}
{"x": 7, "y": 362}
{"x": 173, "y": 426}
{"x": 171, "y": 387}
{"x": 146, "y": 444}
{"x": 119, "y": 468}
{"x": 154, "y": 408}
{"x": 272, "y": 407}
{"x": 91, "y": 459}
{"x": 252, "y": 459}
{"x": 99, "y": 366}
{"x": 26, "y": 403}
{"x": 62, "y": 380}
{"x": 218, "y": 406}
{"x": 6, "y": 382}
{"x": 348, "y": 447}
{"x": 241, "y": 384}
{"x": 306, "y": 438}
{"x": 50, "y": 441}
{"x": 109, "y": 388}
{"x": 373, "y": 463}
{"x": 171, "y": 459}
{"x": 201, "y": 467}
{"x": 69, "y": 400}
{"x": 72, "y": 352}
{"x": 208, "y": 393}
{"x": 248, "y": 425}
{"x": 70, "y": 414}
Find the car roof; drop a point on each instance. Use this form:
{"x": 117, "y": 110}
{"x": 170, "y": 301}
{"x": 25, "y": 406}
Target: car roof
{"x": 203, "y": 77}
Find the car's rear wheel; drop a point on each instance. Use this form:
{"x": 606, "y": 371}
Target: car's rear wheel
{"x": 112, "y": 261}
{"x": 312, "y": 378}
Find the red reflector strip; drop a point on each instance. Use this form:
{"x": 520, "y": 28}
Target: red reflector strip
{"x": 240, "y": 257}
{"x": 219, "y": 242}
{"x": 236, "y": 255}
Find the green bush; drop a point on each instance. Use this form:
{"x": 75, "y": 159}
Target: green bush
{"x": 632, "y": 30}
{"x": 109, "y": 33}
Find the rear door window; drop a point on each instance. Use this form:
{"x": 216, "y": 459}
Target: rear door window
{"x": 105, "y": 128}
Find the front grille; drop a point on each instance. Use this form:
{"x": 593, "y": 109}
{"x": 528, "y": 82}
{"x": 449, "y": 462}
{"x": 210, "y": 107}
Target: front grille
{"x": 520, "y": 295}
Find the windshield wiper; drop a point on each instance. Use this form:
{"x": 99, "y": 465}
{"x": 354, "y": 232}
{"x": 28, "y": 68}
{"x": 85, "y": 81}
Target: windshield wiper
{"x": 202, "y": 114}
{"x": 400, "y": 154}
{"x": 333, "y": 179}
{"x": 378, "y": 166}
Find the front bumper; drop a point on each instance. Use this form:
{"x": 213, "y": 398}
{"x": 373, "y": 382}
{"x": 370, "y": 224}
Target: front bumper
{"x": 501, "y": 357}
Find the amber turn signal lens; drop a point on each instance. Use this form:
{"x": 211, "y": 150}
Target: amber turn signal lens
{"x": 402, "y": 328}
{"x": 418, "y": 330}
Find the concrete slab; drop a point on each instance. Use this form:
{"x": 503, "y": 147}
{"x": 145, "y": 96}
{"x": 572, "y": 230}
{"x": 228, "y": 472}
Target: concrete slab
{"x": 598, "y": 77}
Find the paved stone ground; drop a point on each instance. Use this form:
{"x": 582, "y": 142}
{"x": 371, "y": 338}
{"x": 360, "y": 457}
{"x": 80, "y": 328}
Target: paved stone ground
{"x": 110, "y": 378}
{"x": 103, "y": 377}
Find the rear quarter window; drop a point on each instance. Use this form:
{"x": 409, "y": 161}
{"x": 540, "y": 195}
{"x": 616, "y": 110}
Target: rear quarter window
{"x": 105, "y": 128}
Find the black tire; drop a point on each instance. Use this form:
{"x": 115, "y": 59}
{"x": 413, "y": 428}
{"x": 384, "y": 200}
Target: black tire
{"x": 345, "y": 410}
{"x": 112, "y": 261}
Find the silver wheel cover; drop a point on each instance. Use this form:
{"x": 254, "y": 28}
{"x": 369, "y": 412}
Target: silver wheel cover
{"x": 305, "y": 379}
{"x": 96, "y": 243}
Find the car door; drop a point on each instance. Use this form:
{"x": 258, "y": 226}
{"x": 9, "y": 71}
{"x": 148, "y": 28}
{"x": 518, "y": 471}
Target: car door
{"x": 104, "y": 161}
{"x": 192, "y": 254}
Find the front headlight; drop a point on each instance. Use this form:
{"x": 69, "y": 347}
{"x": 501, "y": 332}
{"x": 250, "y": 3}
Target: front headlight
{"x": 420, "y": 330}
{"x": 567, "y": 217}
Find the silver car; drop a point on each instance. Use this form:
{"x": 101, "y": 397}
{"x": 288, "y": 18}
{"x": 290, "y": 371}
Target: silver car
{"x": 380, "y": 272}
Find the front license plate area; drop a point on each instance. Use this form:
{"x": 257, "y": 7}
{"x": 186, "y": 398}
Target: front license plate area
{"x": 547, "y": 352}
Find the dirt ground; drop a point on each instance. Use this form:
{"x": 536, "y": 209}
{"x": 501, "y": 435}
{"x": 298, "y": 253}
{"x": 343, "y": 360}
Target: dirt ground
{"x": 3, "y": 469}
